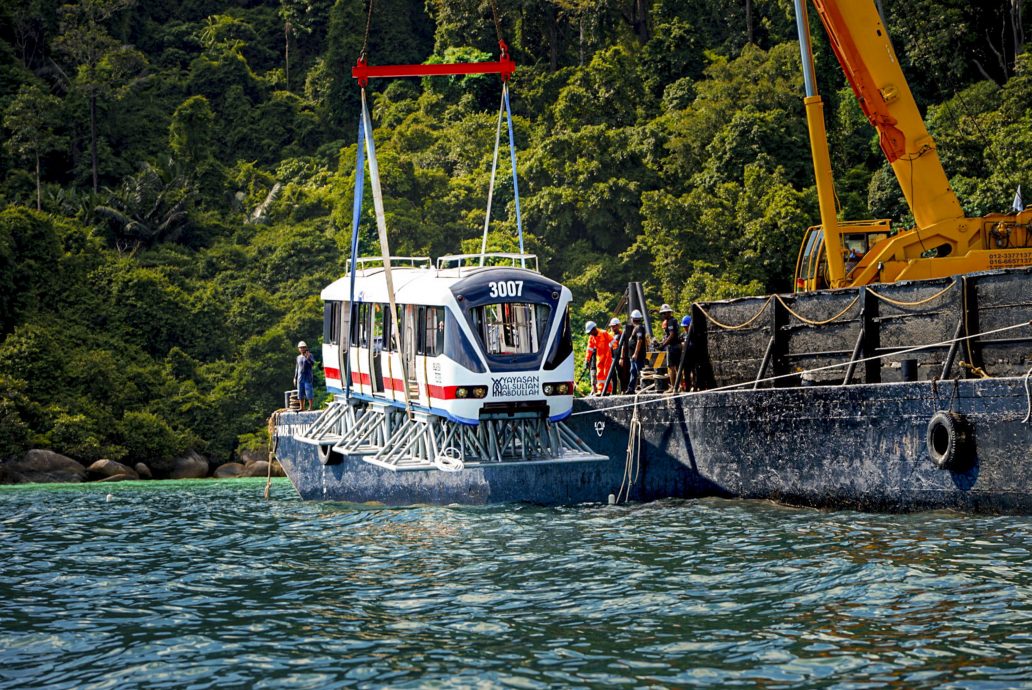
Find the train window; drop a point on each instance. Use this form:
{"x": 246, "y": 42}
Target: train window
{"x": 360, "y": 331}
{"x": 431, "y": 331}
{"x": 562, "y": 346}
{"x": 458, "y": 347}
{"x": 331, "y": 323}
{"x": 380, "y": 324}
{"x": 511, "y": 328}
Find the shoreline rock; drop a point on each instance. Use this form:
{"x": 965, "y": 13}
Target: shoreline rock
{"x": 39, "y": 466}
{"x": 104, "y": 469}
{"x": 193, "y": 465}
{"x": 231, "y": 470}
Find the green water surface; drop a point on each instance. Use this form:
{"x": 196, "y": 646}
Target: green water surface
{"x": 204, "y": 584}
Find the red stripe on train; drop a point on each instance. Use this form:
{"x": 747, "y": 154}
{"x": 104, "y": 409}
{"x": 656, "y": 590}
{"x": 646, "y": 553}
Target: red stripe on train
{"x": 332, "y": 373}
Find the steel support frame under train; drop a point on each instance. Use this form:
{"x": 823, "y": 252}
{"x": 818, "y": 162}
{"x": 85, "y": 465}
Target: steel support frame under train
{"x": 398, "y": 439}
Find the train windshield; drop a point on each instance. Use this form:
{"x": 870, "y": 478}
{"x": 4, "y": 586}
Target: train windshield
{"x": 511, "y": 328}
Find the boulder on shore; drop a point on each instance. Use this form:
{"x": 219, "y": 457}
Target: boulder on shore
{"x": 249, "y": 457}
{"x": 261, "y": 469}
{"x": 117, "y": 478}
{"x": 230, "y": 470}
{"x": 103, "y": 469}
{"x": 191, "y": 466}
{"x": 41, "y": 467}
{"x": 143, "y": 472}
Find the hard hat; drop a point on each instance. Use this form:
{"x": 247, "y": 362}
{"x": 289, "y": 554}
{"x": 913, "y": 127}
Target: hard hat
{"x": 589, "y": 326}
{"x": 665, "y": 309}
{"x": 302, "y": 343}
{"x": 686, "y": 321}
{"x": 635, "y": 315}
{"x": 614, "y": 321}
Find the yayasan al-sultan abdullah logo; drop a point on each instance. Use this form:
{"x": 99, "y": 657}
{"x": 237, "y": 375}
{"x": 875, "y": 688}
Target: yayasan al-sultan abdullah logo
{"x": 515, "y": 386}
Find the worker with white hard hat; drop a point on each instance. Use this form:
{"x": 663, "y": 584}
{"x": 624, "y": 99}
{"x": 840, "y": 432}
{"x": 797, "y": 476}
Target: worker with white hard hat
{"x": 304, "y": 377}
{"x": 620, "y": 373}
{"x": 598, "y": 354}
{"x": 671, "y": 343}
{"x": 634, "y": 354}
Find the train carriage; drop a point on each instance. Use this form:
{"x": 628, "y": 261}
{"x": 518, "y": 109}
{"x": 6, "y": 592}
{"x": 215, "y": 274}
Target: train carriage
{"x": 477, "y": 342}
{"x": 473, "y": 364}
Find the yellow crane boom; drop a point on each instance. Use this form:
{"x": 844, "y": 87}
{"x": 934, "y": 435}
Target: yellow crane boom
{"x": 943, "y": 241}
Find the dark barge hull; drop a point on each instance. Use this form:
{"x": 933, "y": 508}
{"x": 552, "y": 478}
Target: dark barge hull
{"x": 860, "y": 447}
{"x": 856, "y": 439}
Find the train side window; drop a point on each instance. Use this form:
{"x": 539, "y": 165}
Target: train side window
{"x": 458, "y": 347}
{"x": 360, "y": 331}
{"x": 380, "y": 324}
{"x": 331, "y": 323}
{"x": 562, "y": 346}
{"x": 431, "y": 331}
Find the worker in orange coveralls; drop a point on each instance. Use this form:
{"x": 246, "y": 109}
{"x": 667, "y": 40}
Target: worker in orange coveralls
{"x": 598, "y": 346}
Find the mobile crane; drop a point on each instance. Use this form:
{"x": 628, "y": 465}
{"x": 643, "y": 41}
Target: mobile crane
{"x": 943, "y": 241}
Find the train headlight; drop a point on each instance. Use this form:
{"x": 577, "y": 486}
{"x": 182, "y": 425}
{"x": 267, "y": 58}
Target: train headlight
{"x": 547, "y": 388}
{"x": 461, "y": 392}
{"x": 563, "y": 389}
{"x": 480, "y": 392}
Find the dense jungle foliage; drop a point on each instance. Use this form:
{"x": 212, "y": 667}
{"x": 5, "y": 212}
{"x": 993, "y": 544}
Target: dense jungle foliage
{"x": 176, "y": 177}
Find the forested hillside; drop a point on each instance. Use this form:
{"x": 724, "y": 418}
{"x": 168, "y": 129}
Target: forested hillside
{"x": 176, "y": 178}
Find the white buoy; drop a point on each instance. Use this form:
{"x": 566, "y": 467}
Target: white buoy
{"x": 612, "y": 500}
{"x": 110, "y": 497}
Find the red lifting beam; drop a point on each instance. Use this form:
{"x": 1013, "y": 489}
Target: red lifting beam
{"x": 504, "y": 67}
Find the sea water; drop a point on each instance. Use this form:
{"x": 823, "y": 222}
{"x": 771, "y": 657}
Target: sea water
{"x": 206, "y": 584}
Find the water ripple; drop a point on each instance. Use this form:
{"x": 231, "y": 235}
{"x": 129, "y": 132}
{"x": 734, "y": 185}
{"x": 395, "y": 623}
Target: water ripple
{"x": 206, "y": 585}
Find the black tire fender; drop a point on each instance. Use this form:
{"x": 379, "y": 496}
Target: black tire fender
{"x": 951, "y": 441}
{"x": 328, "y": 456}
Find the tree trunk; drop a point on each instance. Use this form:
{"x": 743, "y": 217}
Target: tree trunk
{"x": 39, "y": 194}
{"x": 553, "y": 39}
{"x": 580, "y": 24}
{"x": 641, "y": 9}
{"x": 748, "y": 22}
{"x": 286, "y": 52}
{"x": 93, "y": 138}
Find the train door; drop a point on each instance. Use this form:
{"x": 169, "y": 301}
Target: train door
{"x": 344, "y": 339}
{"x": 379, "y": 320}
{"x": 357, "y": 356}
{"x": 408, "y": 344}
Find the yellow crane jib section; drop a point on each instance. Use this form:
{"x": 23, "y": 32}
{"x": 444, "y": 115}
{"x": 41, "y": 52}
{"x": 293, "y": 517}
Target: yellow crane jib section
{"x": 825, "y": 185}
{"x": 862, "y": 46}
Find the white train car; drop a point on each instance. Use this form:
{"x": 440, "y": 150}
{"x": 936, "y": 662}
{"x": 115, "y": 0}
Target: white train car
{"x": 477, "y": 342}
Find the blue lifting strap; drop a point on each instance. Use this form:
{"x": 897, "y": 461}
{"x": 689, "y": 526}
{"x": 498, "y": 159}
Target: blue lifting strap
{"x": 356, "y": 215}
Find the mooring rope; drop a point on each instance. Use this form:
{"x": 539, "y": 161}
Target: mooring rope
{"x": 726, "y": 327}
{"x": 632, "y": 460}
{"x": 926, "y": 300}
{"x": 1028, "y": 397}
{"x": 734, "y": 386}
{"x": 817, "y": 323}
{"x": 273, "y": 446}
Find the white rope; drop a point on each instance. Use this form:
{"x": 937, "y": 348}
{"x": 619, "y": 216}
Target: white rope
{"x": 494, "y": 171}
{"x": 449, "y": 460}
{"x": 385, "y": 250}
{"x": 839, "y": 365}
{"x": 1028, "y": 397}
{"x": 632, "y": 462}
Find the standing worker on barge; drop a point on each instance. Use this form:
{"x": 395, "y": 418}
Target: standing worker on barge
{"x": 599, "y": 342}
{"x": 304, "y": 377}
{"x": 671, "y": 343}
